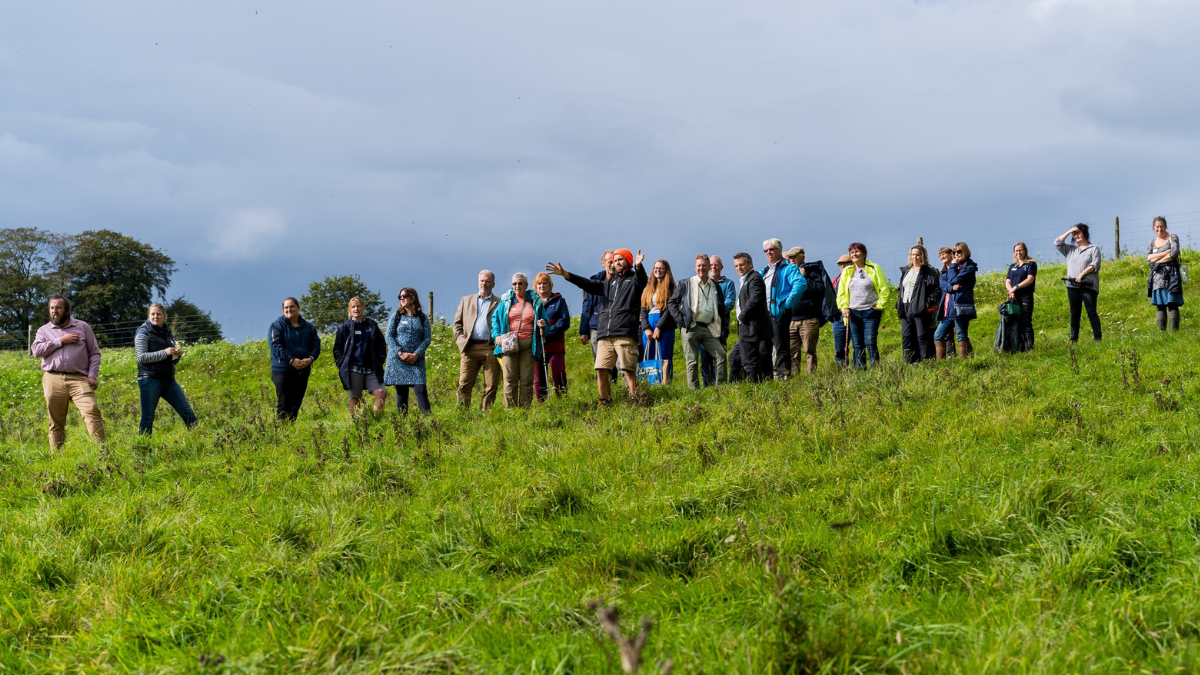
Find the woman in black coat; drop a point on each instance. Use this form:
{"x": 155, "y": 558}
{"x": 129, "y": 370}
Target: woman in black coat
{"x": 360, "y": 353}
{"x": 916, "y": 305}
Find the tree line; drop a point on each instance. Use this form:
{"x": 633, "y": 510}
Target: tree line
{"x": 109, "y": 278}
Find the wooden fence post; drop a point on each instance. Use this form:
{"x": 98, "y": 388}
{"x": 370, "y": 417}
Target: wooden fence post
{"x": 1117, "y": 236}
{"x": 431, "y": 305}
{"x": 29, "y": 338}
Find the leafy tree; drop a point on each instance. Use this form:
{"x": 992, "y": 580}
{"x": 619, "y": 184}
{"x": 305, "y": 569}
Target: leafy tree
{"x": 325, "y": 304}
{"x": 189, "y": 323}
{"x": 26, "y": 254}
{"x": 111, "y": 279}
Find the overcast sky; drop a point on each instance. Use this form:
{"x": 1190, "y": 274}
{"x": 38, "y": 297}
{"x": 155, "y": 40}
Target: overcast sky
{"x": 266, "y": 144}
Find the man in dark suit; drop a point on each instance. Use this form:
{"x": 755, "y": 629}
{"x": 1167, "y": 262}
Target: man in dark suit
{"x": 754, "y": 321}
{"x": 473, "y": 335}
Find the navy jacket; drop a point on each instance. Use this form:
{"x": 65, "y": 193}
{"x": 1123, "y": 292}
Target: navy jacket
{"x": 589, "y": 316}
{"x": 158, "y": 338}
{"x": 343, "y": 345}
{"x": 558, "y": 319}
{"x": 962, "y": 274}
{"x": 817, "y": 300}
{"x": 292, "y": 342}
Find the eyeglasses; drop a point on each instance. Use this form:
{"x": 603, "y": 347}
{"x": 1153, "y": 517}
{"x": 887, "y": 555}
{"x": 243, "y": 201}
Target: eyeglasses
{"x": 768, "y": 250}
{"x": 410, "y": 296}
{"x": 958, "y": 251}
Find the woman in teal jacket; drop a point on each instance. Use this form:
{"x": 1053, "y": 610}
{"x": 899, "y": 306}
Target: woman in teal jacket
{"x": 520, "y": 311}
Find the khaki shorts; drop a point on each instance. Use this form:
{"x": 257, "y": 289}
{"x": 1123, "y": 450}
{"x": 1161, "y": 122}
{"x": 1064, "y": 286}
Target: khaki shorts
{"x": 361, "y": 381}
{"x": 613, "y": 350}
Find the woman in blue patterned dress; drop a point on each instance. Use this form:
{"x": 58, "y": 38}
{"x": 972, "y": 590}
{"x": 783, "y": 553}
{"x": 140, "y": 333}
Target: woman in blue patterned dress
{"x": 1165, "y": 285}
{"x": 408, "y": 336}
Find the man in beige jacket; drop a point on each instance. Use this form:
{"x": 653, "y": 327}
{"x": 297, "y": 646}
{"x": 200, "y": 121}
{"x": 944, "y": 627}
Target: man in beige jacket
{"x": 473, "y": 334}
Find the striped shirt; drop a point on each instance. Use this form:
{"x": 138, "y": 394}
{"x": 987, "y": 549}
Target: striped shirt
{"x": 139, "y": 350}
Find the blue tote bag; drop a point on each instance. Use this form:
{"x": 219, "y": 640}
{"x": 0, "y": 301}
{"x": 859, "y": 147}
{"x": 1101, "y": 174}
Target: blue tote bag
{"x": 651, "y": 369}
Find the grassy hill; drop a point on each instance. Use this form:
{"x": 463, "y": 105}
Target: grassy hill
{"x": 1007, "y": 514}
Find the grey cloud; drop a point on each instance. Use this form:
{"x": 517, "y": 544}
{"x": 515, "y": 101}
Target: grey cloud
{"x": 417, "y": 143}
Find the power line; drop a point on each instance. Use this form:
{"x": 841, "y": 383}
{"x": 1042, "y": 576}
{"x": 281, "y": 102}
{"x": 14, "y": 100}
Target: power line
{"x": 1168, "y": 215}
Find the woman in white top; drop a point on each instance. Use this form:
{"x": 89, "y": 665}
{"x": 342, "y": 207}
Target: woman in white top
{"x": 1083, "y": 277}
{"x": 1165, "y": 285}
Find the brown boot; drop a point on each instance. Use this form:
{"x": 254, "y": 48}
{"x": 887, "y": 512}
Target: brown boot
{"x": 964, "y": 349}
{"x": 939, "y": 349}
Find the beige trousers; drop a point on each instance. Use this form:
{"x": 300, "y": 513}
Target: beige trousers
{"x": 804, "y": 336}
{"x": 474, "y": 358}
{"x": 518, "y": 375}
{"x": 60, "y": 390}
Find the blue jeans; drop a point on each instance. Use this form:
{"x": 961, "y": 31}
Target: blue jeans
{"x": 864, "y": 334}
{"x": 666, "y": 344}
{"x": 839, "y": 341}
{"x": 960, "y": 330}
{"x": 153, "y": 389}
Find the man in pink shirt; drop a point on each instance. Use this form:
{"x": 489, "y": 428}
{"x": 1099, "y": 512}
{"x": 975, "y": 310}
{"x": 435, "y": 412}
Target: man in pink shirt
{"x": 70, "y": 368}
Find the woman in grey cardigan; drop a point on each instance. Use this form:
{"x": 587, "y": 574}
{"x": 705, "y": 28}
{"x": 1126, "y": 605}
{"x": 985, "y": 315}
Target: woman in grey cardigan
{"x": 1165, "y": 285}
{"x": 1083, "y": 277}
{"x": 408, "y": 336}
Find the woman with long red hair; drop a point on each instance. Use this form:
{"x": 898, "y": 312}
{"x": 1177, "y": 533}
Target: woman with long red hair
{"x": 658, "y": 328}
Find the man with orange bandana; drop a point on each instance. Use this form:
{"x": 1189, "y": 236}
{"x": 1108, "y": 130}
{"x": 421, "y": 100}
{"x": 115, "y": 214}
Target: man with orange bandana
{"x": 617, "y": 327}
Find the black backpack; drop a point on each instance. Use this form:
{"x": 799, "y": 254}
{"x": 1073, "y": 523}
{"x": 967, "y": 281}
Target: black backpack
{"x": 1008, "y": 336}
{"x": 829, "y": 310}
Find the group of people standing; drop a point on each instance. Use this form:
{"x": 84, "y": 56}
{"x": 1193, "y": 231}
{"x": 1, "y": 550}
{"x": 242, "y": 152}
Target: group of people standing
{"x": 519, "y": 338}
{"x": 368, "y": 358}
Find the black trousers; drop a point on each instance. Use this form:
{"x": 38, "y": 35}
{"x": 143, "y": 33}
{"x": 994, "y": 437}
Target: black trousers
{"x": 737, "y": 373}
{"x": 755, "y": 358}
{"x": 781, "y": 340}
{"x": 402, "y": 397}
{"x": 290, "y": 386}
{"x": 1025, "y": 322}
{"x": 1078, "y": 299}
{"x": 916, "y": 337}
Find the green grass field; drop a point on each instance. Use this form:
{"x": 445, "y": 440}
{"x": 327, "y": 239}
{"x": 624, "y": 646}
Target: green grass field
{"x": 1009, "y": 514}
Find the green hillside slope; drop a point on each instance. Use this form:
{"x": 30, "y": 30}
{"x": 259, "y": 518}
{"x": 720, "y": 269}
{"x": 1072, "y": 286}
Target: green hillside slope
{"x": 1004, "y": 514}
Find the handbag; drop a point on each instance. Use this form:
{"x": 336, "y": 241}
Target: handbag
{"x": 508, "y": 342}
{"x": 651, "y": 370}
{"x": 964, "y": 310}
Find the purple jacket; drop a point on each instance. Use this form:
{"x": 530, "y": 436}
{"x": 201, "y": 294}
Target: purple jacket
{"x": 83, "y": 357}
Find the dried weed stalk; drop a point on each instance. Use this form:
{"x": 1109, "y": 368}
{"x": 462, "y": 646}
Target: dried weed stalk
{"x": 630, "y": 647}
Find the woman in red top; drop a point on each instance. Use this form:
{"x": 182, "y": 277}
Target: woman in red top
{"x": 519, "y": 312}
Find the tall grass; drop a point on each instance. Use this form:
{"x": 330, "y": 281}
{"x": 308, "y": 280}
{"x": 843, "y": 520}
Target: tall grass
{"x": 1006, "y": 514}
